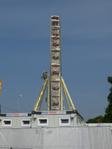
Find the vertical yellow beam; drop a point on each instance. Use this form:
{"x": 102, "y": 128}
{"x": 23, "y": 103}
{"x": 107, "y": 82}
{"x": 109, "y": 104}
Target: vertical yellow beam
{"x": 61, "y": 99}
{"x": 67, "y": 100}
{"x": 48, "y": 96}
{"x": 67, "y": 94}
{"x": 1, "y": 84}
{"x": 39, "y": 99}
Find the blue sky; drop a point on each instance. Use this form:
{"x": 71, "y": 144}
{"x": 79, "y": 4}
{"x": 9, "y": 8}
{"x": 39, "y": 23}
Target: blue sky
{"x": 86, "y": 28}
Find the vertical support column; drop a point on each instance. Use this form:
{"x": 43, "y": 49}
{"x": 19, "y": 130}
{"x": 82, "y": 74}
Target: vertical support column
{"x": 1, "y": 84}
{"x": 55, "y": 68}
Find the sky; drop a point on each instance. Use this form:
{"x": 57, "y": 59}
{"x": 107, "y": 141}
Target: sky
{"x": 86, "y": 31}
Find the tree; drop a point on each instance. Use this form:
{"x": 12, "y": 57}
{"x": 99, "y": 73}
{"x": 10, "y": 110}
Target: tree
{"x": 98, "y": 119}
{"x": 108, "y": 111}
{"x": 107, "y": 118}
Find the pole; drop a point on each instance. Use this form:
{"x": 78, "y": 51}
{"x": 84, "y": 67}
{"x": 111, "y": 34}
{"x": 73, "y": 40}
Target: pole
{"x": 0, "y": 109}
{"x": 0, "y": 87}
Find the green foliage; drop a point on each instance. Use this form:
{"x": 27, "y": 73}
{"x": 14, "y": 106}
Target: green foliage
{"x": 107, "y": 118}
{"x": 108, "y": 111}
{"x": 98, "y": 119}
{"x": 110, "y": 79}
